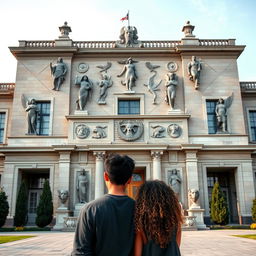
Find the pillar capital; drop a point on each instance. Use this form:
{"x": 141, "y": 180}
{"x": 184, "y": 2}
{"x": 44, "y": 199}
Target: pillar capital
{"x": 99, "y": 155}
{"x": 156, "y": 155}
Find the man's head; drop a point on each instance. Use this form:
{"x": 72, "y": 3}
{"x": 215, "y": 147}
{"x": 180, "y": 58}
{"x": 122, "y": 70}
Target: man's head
{"x": 119, "y": 168}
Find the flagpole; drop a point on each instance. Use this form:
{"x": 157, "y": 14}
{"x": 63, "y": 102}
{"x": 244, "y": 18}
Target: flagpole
{"x": 128, "y": 19}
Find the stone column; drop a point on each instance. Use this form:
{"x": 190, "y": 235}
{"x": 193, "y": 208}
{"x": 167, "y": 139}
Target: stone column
{"x": 99, "y": 170}
{"x": 156, "y": 156}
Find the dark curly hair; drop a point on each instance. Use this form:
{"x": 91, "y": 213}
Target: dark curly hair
{"x": 157, "y": 212}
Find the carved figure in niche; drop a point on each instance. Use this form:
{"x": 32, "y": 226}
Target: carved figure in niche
{"x": 59, "y": 72}
{"x": 82, "y": 187}
{"x": 63, "y": 196}
{"x": 82, "y": 131}
{"x": 171, "y": 87}
{"x": 130, "y": 73}
{"x": 99, "y": 132}
{"x": 33, "y": 112}
{"x": 130, "y": 130}
{"x": 193, "y": 195}
{"x": 104, "y": 84}
{"x": 128, "y": 36}
{"x": 194, "y": 70}
{"x": 152, "y": 87}
{"x": 158, "y": 131}
{"x": 221, "y": 113}
{"x": 174, "y": 181}
{"x": 174, "y": 130}
{"x": 84, "y": 91}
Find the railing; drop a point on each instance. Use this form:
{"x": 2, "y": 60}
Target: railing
{"x": 160, "y": 44}
{"x": 113, "y": 44}
{"x": 7, "y": 86}
{"x": 94, "y": 44}
{"x": 44, "y": 44}
{"x": 248, "y": 86}
{"x": 216, "y": 42}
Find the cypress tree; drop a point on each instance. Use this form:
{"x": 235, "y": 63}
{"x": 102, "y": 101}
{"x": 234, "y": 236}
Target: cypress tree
{"x": 4, "y": 207}
{"x": 21, "y": 210}
{"x": 44, "y": 209}
{"x": 219, "y": 209}
{"x": 254, "y": 210}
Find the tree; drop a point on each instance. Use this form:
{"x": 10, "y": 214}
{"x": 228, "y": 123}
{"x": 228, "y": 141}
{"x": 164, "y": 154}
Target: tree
{"x": 44, "y": 209}
{"x": 21, "y": 210}
{"x": 219, "y": 208}
{"x": 4, "y": 207}
{"x": 254, "y": 210}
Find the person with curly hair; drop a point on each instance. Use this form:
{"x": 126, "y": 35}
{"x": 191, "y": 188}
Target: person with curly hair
{"x": 158, "y": 220}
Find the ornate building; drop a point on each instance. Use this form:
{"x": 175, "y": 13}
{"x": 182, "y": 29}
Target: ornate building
{"x": 176, "y": 107}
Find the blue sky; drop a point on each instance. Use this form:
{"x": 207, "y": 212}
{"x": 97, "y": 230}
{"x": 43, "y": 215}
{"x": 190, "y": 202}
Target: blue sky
{"x": 154, "y": 19}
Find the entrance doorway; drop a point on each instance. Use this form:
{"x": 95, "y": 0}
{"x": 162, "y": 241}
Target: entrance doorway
{"x": 35, "y": 182}
{"x": 226, "y": 179}
{"x": 138, "y": 178}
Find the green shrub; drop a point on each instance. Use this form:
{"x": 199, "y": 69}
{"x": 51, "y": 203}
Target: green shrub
{"x": 219, "y": 208}
{"x": 4, "y": 207}
{"x": 44, "y": 209}
{"x": 254, "y": 210}
{"x": 21, "y": 209}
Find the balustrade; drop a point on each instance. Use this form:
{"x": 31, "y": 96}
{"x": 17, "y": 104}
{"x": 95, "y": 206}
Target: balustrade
{"x": 7, "y": 86}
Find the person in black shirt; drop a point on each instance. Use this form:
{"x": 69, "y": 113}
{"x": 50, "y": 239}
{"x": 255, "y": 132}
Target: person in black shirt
{"x": 105, "y": 226}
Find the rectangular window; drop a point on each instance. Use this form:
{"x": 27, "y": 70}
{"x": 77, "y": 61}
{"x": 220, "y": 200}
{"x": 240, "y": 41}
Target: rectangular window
{"x": 128, "y": 107}
{"x": 2, "y": 126}
{"x": 43, "y": 120}
{"x": 252, "y": 117}
{"x": 211, "y": 116}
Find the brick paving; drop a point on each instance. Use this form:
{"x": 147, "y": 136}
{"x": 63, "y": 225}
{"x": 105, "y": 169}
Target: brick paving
{"x": 194, "y": 243}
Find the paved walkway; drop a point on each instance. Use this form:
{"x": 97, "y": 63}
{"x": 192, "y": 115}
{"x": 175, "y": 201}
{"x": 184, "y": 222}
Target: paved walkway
{"x": 194, "y": 243}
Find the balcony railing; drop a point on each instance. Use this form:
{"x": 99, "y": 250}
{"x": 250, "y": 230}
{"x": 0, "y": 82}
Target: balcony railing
{"x": 216, "y": 42}
{"x": 7, "y": 86}
{"x": 248, "y": 86}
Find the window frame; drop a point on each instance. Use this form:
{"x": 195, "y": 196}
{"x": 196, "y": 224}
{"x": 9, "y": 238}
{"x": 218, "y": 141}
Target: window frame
{"x": 6, "y": 112}
{"x": 216, "y": 124}
{"x": 40, "y": 118}
{"x": 130, "y": 106}
{"x": 248, "y": 123}
{"x": 138, "y": 96}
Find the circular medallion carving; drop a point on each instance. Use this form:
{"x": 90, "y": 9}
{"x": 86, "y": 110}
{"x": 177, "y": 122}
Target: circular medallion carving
{"x": 174, "y": 130}
{"x": 172, "y": 66}
{"x": 82, "y": 131}
{"x": 130, "y": 130}
{"x": 82, "y": 67}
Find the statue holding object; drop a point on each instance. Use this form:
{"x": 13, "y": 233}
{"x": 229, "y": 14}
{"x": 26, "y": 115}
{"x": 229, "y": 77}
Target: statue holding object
{"x": 194, "y": 70}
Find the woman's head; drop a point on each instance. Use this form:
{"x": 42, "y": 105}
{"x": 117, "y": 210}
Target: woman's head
{"x": 157, "y": 212}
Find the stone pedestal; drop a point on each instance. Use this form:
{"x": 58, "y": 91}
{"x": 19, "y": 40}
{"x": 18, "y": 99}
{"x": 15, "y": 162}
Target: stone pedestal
{"x": 129, "y": 92}
{"x": 78, "y": 207}
{"x": 81, "y": 112}
{"x": 61, "y": 213}
{"x": 172, "y": 111}
{"x": 199, "y": 214}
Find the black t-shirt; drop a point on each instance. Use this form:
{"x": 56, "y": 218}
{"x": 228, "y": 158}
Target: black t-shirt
{"x": 105, "y": 227}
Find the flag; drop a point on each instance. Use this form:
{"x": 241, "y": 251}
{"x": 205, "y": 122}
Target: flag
{"x": 126, "y": 17}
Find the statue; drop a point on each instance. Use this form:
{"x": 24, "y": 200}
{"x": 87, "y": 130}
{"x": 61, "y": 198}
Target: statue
{"x": 128, "y": 36}
{"x": 104, "y": 84}
{"x": 221, "y": 113}
{"x": 193, "y": 195}
{"x": 130, "y": 73}
{"x": 152, "y": 87}
{"x": 171, "y": 87}
{"x": 194, "y": 69}
{"x": 158, "y": 131}
{"x": 84, "y": 91}
{"x": 174, "y": 181}
{"x": 33, "y": 112}
{"x": 59, "y": 72}
{"x": 82, "y": 187}
{"x": 63, "y": 196}
{"x": 65, "y": 30}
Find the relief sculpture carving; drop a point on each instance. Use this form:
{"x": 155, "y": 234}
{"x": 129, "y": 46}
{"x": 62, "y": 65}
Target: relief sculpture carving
{"x": 130, "y": 130}
{"x": 174, "y": 130}
{"x": 158, "y": 131}
{"x": 99, "y": 132}
{"x": 82, "y": 131}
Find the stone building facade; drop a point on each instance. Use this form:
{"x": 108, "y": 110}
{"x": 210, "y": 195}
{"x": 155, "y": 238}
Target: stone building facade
{"x": 183, "y": 142}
